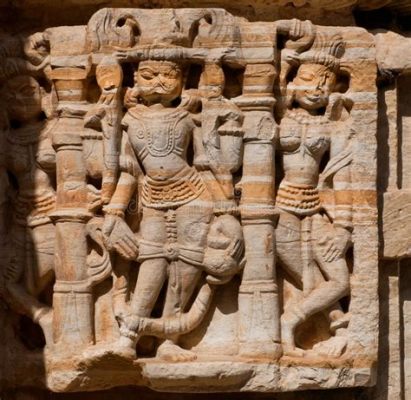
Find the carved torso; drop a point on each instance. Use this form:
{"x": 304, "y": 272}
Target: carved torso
{"x": 30, "y": 157}
{"x": 160, "y": 139}
{"x": 303, "y": 143}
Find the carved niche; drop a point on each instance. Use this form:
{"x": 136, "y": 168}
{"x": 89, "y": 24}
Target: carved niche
{"x": 192, "y": 203}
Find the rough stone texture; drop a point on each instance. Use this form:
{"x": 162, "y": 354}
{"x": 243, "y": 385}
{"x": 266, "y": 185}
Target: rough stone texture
{"x": 206, "y": 200}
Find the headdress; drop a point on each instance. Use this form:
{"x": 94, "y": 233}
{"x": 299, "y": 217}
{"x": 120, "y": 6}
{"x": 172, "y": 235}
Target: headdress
{"x": 325, "y": 50}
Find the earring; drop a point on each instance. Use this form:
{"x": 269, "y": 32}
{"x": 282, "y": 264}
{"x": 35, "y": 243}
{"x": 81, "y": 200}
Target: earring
{"x": 289, "y": 98}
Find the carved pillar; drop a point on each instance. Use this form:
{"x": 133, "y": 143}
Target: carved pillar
{"x": 258, "y": 297}
{"x": 72, "y": 299}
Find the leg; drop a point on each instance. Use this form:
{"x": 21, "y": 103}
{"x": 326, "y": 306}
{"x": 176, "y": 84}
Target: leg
{"x": 40, "y": 243}
{"x": 326, "y": 292}
{"x": 336, "y": 283}
{"x": 288, "y": 248}
{"x": 121, "y": 272}
{"x": 338, "y": 278}
{"x": 30, "y": 272}
{"x": 40, "y": 272}
{"x": 150, "y": 280}
{"x": 151, "y": 277}
{"x": 192, "y": 222}
{"x": 121, "y": 269}
{"x": 182, "y": 282}
{"x": 329, "y": 291}
{"x": 153, "y": 269}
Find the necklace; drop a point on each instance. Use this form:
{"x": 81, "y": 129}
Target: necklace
{"x": 307, "y": 119}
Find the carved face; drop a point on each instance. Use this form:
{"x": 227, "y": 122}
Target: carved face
{"x": 23, "y": 95}
{"x": 313, "y": 85}
{"x": 159, "y": 81}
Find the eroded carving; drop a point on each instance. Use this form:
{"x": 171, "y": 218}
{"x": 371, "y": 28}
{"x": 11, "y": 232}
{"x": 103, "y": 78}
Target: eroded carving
{"x": 30, "y": 158}
{"x": 185, "y": 192}
{"x": 312, "y": 234}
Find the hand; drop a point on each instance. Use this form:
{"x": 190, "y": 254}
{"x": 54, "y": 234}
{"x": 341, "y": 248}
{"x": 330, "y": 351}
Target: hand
{"x": 123, "y": 55}
{"x": 94, "y": 117}
{"x": 335, "y": 246}
{"x": 42, "y": 65}
{"x": 94, "y": 198}
{"x": 119, "y": 237}
{"x": 216, "y": 55}
{"x": 107, "y": 97}
{"x": 290, "y": 56}
{"x": 201, "y": 162}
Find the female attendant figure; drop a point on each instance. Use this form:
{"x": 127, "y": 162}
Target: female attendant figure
{"x": 30, "y": 159}
{"x": 311, "y": 238}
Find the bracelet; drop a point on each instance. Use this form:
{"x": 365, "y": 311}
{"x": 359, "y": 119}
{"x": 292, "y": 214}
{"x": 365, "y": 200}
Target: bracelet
{"x": 344, "y": 224}
{"x": 113, "y": 211}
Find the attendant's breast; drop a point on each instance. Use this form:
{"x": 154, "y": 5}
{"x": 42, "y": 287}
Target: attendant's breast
{"x": 317, "y": 141}
{"x": 290, "y": 135}
{"x": 45, "y": 155}
{"x": 18, "y": 158}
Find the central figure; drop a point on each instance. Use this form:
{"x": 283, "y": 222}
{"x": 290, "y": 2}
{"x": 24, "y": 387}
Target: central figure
{"x": 177, "y": 207}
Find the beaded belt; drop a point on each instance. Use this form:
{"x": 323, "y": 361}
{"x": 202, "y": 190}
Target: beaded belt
{"x": 298, "y": 199}
{"x": 182, "y": 188}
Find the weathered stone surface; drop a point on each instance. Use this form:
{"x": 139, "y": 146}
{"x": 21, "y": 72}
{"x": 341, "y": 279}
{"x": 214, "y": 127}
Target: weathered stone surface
{"x": 393, "y": 51}
{"x": 204, "y": 200}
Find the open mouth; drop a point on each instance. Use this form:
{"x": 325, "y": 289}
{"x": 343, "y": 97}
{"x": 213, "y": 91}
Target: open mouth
{"x": 313, "y": 98}
{"x": 159, "y": 90}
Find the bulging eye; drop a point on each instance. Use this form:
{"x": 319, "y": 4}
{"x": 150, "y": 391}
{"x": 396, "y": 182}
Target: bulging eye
{"x": 306, "y": 77}
{"x": 172, "y": 74}
{"x": 146, "y": 74}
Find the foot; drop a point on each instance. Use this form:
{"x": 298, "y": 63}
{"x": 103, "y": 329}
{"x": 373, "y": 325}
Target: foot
{"x": 118, "y": 349}
{"x": 332, "y": 347}
{"x": 292, "y": 351}
{"x": 339, "y": 321}
{"x": 288, "y": 324}
{"x": 125, "y": 347}
{"x": 169, "y": 351}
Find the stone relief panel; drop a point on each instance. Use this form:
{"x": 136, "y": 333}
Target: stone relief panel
{"x": 189, "y": 203}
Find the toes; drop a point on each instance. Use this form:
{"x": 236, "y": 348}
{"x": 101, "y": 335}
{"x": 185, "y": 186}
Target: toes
{"x": 183, "y": 357}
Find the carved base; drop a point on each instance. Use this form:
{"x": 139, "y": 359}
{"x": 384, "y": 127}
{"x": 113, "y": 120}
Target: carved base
{"x": 107, "y": 370}
{"x": 260, "y": 349}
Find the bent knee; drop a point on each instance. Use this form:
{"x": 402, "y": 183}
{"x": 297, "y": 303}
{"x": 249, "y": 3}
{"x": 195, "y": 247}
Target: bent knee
{"x": 342, "y": 286}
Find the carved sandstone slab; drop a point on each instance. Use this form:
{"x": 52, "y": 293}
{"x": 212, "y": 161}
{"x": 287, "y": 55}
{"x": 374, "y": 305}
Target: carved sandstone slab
{"x": 194, "y": 202}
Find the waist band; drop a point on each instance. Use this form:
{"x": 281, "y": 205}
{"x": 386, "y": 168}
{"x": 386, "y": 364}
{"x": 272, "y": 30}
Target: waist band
{"x": 182, "y": 188}
{"x": 298, "y": 199}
